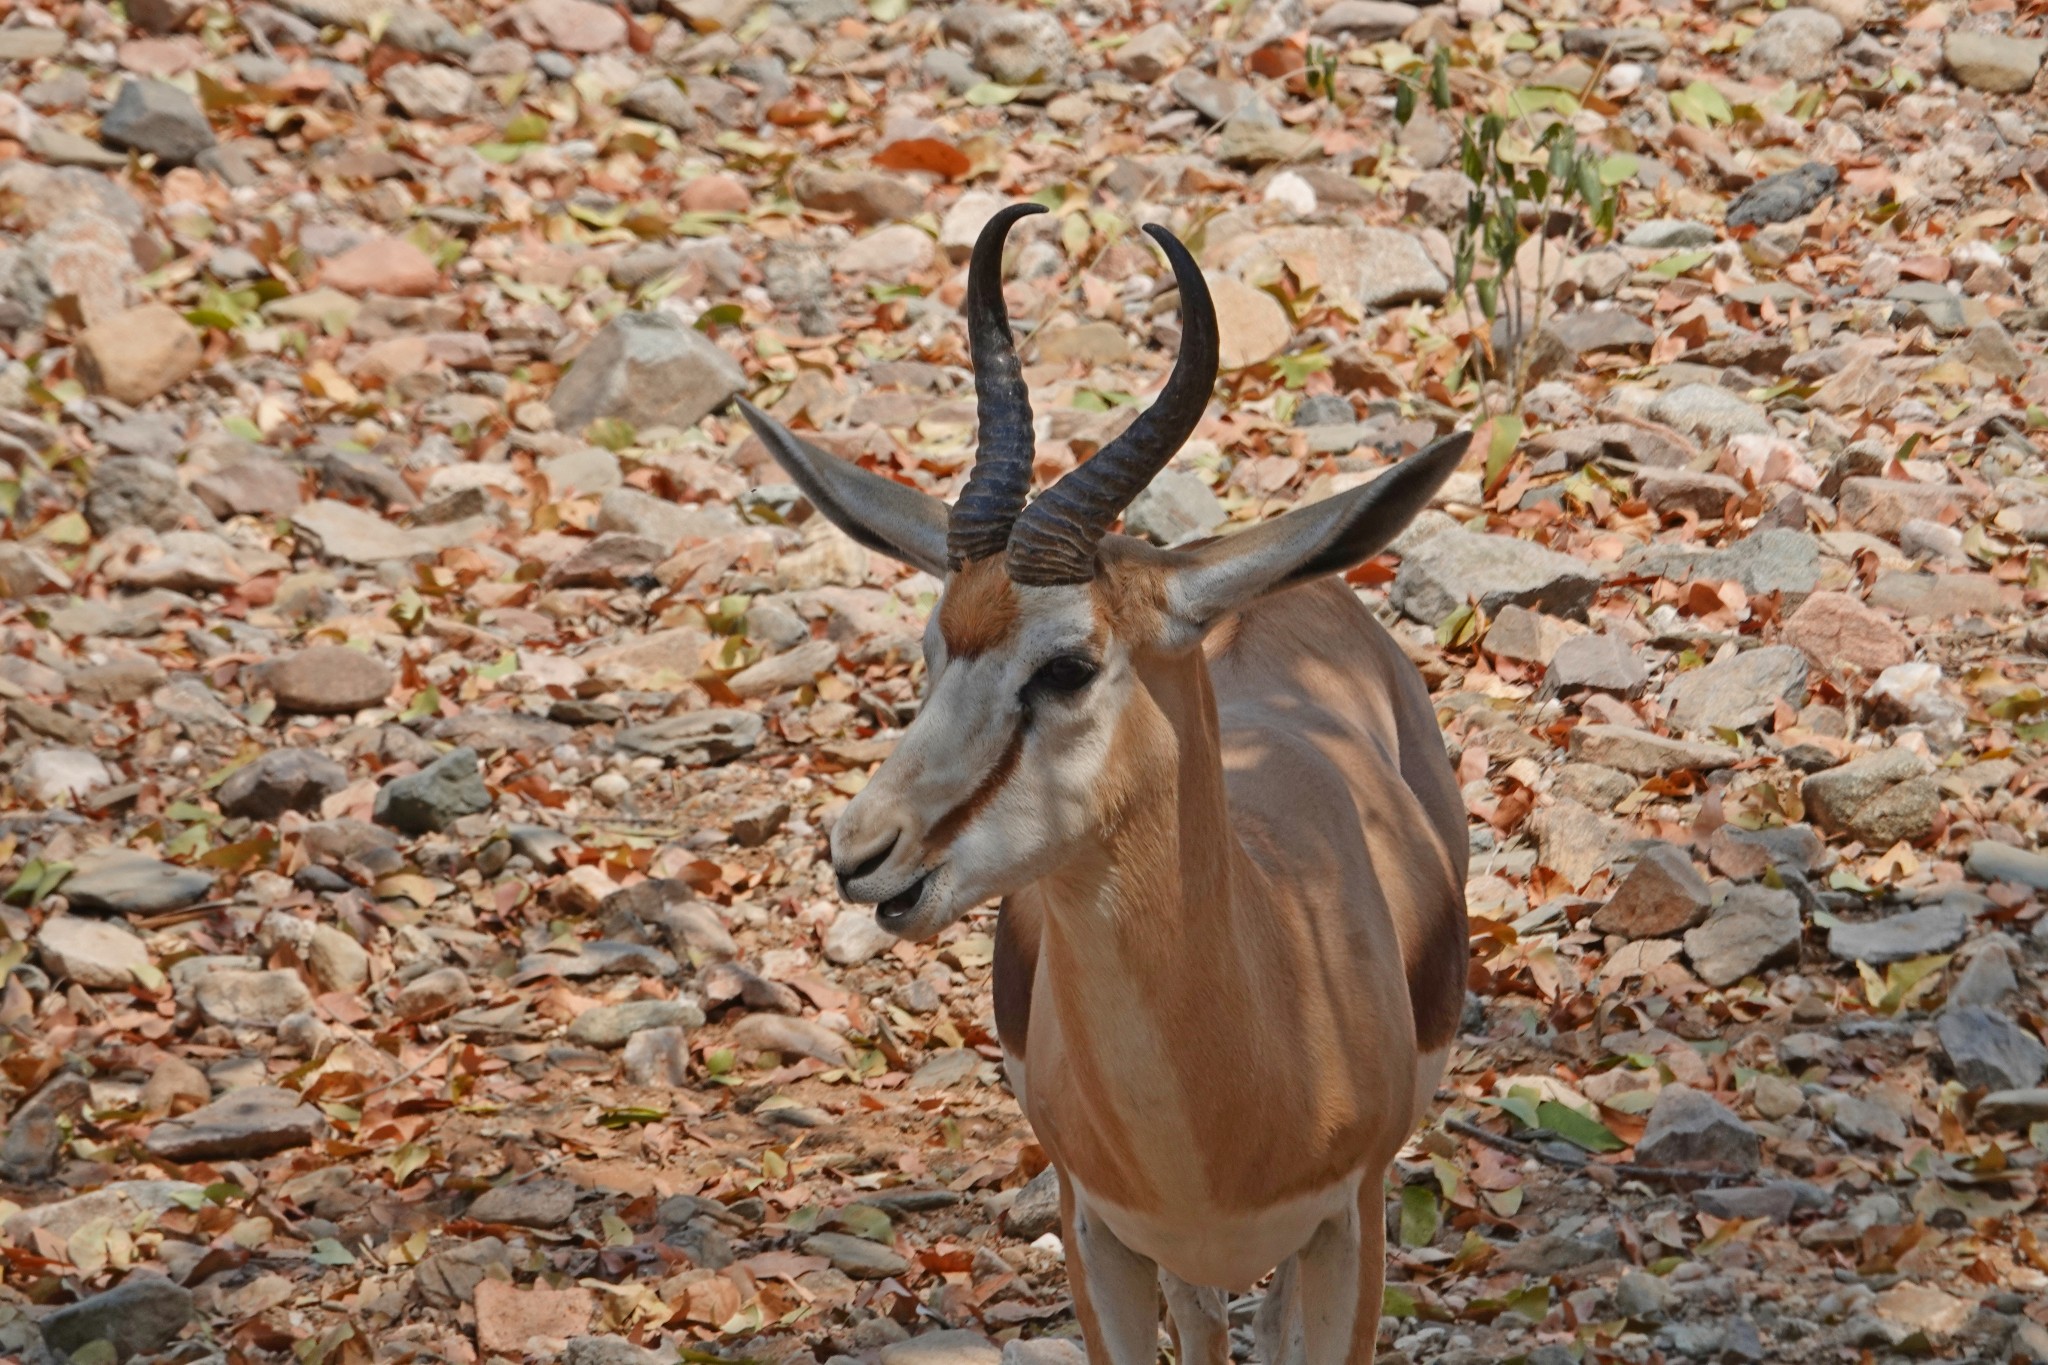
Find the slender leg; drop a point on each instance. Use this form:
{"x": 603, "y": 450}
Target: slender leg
{"x": 1276, "y": 1328}
{"x": 1199, "y": 1321}
{"x": 1116, "y": 1291}
{"x": 1372, "y": 1267}
{"x": 1330, "y": 1278}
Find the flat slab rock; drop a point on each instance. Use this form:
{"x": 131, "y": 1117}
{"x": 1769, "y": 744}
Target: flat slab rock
{"x": 1444, "y": 572}
{"x": 1898, "y": 938}
{"x": 1754, "y": 928}
{"x": 249, "y": 1123}
{"x": 130, "y": 883}
{"x": 1692, "y": 1129}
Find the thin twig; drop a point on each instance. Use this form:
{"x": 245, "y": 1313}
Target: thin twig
{"x": 1627, "y": 1170}
{"x": 406, "y": 1075}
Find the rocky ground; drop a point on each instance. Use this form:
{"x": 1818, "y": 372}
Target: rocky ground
{"x": 423, "y": 703}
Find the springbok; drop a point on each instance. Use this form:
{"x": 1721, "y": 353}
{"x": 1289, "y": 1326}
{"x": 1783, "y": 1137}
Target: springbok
{"x": 1212, "y": 795}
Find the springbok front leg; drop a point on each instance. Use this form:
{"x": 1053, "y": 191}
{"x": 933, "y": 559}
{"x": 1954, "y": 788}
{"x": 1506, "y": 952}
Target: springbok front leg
{"x": 1116, "y": 1291}
{"x": 1372, "y": 1267}
{"x": 1201, "y": 1321}
{"x": 1332, "y": 1275}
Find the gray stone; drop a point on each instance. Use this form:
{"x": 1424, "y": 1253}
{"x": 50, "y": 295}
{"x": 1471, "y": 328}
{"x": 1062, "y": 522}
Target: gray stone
{"x": 1023, "y": 48}
{"x": 139, "y": 1316}
{"x": 1670, "y": 234}
{"x": 1794, "y": 42}
{"x": 696, "y": 737}
{"x": 1996, "y": 862}
{"x": 336, "y": 960}
{"x": 246, "y": 999}
{"x": 598, "y": 957}
{"x": 2012, "y": 1108}
{"x": 1642, "y": 754}
{"x": 123, "y": 1201}
{"x": 280, "y": 780}
{"x": 1692, "y": 1129}
{"x": 609, "y": 1026}
{"x": 1447, "y": 570}
{"x": 158, "y": 118}
{"x": 657, "y": 519}
{"x": 1367, "y": 21}
{"x": 661, "y": 100}
{"x": 1986, "y": 1048}
{"x": 1175, "y": 507}
{"x": 794, "y": 1037}
{"x": 1036, "y": 1209}
{"x": 646, "y": 369}
{"x": 657, "y": 1057}
{"x": 242, "y": 1125}
{"x": 607, "y": 1351}
{"x": 1571, "y": 840}
{"x": 426, "y": 90}
{"x": 527, "y": 1203}
{"x": 1776, "y": 559}
{"x": 1736, "y": 692}
{"x": 1896, "y": 938}
{"x": 1673, "y": 492}
{"x": 433, "y": 994}
{"x": 1600, "y": 663}
{"x": 1662, "y": 894}
{"x": 355, "y": 535}
{"x": 131, "y": 883}
{"x": 1639, "y": 1294}
{"x": 1527, "y": 636}
{"x": 856, "y": 1256}
{"x": 1834, "y": 798}
{"x": 329, "y": 680}
{"x": 134, "y": 490}
{"x": 1373, "y": 267}
{"x": 97, "y": 954}
{"x": 1993, "y": 62}
{"x": 1782, "y": 197}
{"x": 1753, "y": 928}
{"x": 436, "y": 796}
{"x": 1862, "y": 1120}
{"x": 1710, "y": 413}
{"x": 854, "y": 936}
{"x": 36, "y": 1130}
{"x": 57, "y": 775}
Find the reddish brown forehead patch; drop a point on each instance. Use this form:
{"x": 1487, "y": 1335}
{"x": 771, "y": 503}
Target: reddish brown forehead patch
{"x": 979, "y": 611}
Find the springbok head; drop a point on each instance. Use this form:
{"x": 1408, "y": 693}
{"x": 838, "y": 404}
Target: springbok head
{"x": 1050, "y": 628}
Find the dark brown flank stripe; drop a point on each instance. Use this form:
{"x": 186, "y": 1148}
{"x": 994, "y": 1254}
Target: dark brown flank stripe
{"x": 957, "y": 819}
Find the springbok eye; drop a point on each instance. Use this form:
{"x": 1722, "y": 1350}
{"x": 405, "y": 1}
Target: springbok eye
{"x": 1064, "y": 673}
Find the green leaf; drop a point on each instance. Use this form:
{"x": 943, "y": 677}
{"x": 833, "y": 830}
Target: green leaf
{"x": 425, "y": 703}
{"x": 507, "y": 664}
{"x": 991, "y": 93}
{"x": 865, "y": 1220}
{"x": 1532, "y": 1303}
{"x": 1500, "y": 450}
{"x": 503, "y": 153}
{"x": 1404, "y": 101}
{"x": 526, "y": 128}
{"x": 1420, "y": 1216}
{"x": 1517, "y": 1107}
{"x": 1457, "y": 628}
{"x": 327, "y": 1251}
{"x": 1701, "y": 105}
{"x": 629, "y": 1115}
{"x": 1396, "y": 1302}
{"x": 1575, "y": 1128}
{"x": 888, "y": 11}
{"x": 1618, "y": 168}
{"x": 1679, "y": 262}
{"x": 1440, "y": 78}
{"x": 613, "y": 433}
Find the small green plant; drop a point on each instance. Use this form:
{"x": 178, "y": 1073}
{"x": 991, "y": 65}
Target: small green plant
{"x": 1320, "y": 71}
{"x": 1515, "y": 171}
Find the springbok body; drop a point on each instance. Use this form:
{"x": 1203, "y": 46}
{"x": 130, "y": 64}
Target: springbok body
{"x": 1212, "y": 795}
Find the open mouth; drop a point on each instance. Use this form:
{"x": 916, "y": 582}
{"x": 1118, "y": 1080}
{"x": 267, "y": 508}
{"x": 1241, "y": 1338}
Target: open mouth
{"x": 904, "y": 901}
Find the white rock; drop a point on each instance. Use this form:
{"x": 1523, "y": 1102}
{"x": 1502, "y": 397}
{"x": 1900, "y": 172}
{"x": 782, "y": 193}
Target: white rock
{"x": 854, "y": 937}
{"x": 55, "y": 777}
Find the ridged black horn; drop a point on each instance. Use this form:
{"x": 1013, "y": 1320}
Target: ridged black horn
{"x": 1001, "y": 477}
{"x": 1054, "y": 540}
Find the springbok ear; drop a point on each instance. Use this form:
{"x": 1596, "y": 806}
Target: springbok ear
{"x": 1326, "y": 537}
{"x": 880, "y": 513}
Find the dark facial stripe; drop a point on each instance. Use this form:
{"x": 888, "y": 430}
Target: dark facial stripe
{"x": 953, "y": 822}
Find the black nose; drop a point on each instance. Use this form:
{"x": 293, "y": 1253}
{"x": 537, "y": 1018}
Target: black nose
{"x": 871, "y": 863}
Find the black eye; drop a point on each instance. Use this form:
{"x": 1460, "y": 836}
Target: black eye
{"x": 1066, "y": 673}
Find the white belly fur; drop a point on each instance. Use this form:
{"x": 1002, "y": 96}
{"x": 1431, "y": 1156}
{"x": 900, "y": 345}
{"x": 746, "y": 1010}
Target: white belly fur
{"x": 1224, "y": 1251}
